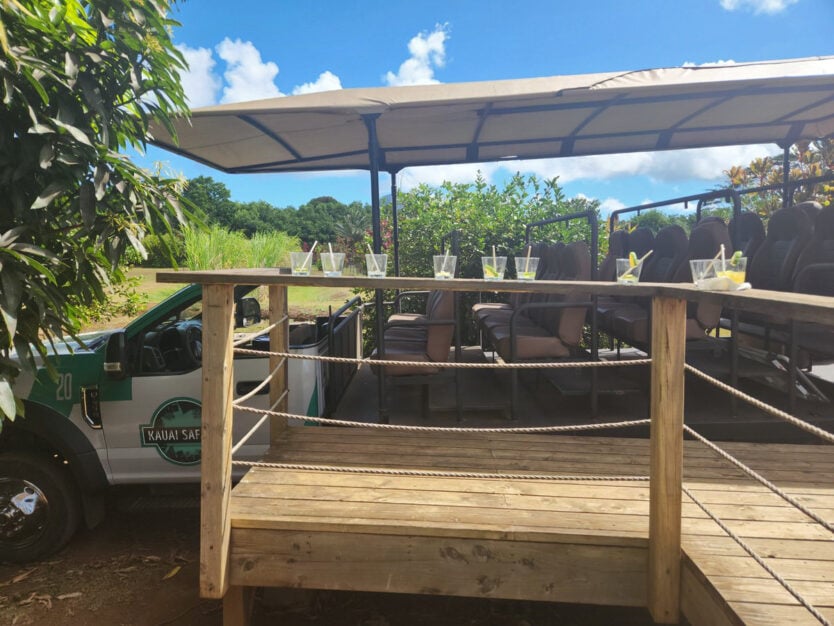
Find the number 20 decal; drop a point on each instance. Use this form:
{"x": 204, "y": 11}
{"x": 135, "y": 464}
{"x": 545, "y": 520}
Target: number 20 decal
{"x": 64, "y": 390}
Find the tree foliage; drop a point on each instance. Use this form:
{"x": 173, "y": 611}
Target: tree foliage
{"x": 485, "y": 216}
{"x": 81, "y": 81}
{"x": 807, "y": 159}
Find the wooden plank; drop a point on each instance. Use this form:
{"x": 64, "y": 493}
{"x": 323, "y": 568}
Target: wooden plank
{"x": 449, "y": 566}
{"x": 216, "y": 465}
{"x": 701, "y": 604}
{"x": 279, "y": 341}
{"x": 667, "y": 376}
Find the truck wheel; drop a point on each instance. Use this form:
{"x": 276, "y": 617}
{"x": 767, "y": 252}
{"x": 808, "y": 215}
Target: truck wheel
{"x": 39, "y": 507}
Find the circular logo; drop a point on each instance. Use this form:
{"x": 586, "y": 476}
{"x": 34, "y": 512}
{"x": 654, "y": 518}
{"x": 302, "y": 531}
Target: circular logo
{"x": 175, "y": 431}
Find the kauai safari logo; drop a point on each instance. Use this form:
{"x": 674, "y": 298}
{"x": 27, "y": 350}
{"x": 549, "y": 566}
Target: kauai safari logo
{"x": 175, "y": 431}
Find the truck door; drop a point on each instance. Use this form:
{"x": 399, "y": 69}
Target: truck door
{"x": 152, "y": 428}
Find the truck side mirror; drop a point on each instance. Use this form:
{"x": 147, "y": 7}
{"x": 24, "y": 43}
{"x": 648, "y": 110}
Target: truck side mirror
{"x": 247, "y": 312}
{"x": 115, "y": 356}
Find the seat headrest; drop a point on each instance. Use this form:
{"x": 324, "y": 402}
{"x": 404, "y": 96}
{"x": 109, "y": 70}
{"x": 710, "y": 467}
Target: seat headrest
{"x": 788, "y": 223}
{"x": 575, "y": 262}
{"x": 618, "y": 244}
{"x": 810, "y": 208}
{"x": 824, "y": 224}
{"x": 670, "y": 250}
{"x": 640, "y": 240}
{"x": 706, "y": 238}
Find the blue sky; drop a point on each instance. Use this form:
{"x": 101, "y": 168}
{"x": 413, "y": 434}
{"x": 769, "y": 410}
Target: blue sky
{"x": 251, "y": 49}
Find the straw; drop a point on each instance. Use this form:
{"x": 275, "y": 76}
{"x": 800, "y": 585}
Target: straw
{"x": 445, "y": 258}
{"x": 494, "y": 259}
{"x": 527, "y": 262}
{"x": 373, "y": 257}
{"x": 332, "y": 261}
{"x": 310, "y": 254}
{"x": 723, "y": 260}
{"x": 720, "y": 255}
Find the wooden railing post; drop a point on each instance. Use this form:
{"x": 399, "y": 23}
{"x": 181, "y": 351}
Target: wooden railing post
{"x": 279, "y": 341}
{"x": 666, "y": 464}
{"x": 216, "y": 435}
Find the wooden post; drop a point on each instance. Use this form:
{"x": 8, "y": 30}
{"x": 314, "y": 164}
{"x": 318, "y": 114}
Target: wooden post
{"x": 216, "y": 466}
{"x": 279, "y": 341}
{"x": 666, "y": 465}
{"x": 237, "y": 606}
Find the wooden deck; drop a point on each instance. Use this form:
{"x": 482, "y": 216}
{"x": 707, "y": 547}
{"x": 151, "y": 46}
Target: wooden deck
{"x": 611, "y": 541}
{"x": 547, "y": 540}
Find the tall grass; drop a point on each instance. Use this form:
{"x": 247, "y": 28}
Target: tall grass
{"x": 219, "y": 248}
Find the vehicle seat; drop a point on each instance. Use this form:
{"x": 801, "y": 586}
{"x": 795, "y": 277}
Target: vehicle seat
{"x": 749, "y": 230}
{"x": 788, "y": 232}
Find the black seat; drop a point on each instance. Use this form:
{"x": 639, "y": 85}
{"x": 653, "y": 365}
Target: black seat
{"x": 748, "y": 232}
{"x": 630, "y": 323}
{"x": 788, "y": 232}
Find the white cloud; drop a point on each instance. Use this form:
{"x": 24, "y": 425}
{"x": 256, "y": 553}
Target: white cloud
{"x": 327, "y": 81}
{"x": 708, "y": 63}
{"x": 428, "y": 52}
{"x": 436, "y": 175}
{"x": 200, "y": 82}
{"x": 610, "y": 204}
{"x": 705, "y": 164}
{"x": 247, "y": 76}
{"x": 758, "y": 6}
{"x": 670, "y": 166}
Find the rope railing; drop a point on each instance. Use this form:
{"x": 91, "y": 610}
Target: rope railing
{"x": 755, "y": 556}
{"x": 346, "y": 469}
{"x": 819, "y": 432}
{"x": 760, "y": 479}
{"x": 246, "y": 338}
{"x": 791, "y": 419}
{"x": 445, "y": 364}
{"x": 447, "y": 429}
{"x": 263, "y": 383}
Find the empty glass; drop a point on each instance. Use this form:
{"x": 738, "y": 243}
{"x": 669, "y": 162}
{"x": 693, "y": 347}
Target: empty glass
{"x": 376, "y": 265}
{"x": 526, "y": 267}
{"x": 444, "y": 266}
{"x": 494, "y": 267}
{"x": 332, "y": 263}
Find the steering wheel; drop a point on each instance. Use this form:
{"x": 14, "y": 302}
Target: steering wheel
{"x": 194, "y": 343}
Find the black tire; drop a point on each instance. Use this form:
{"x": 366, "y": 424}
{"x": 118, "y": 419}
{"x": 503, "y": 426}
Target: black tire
{"x": 39, "y": 507}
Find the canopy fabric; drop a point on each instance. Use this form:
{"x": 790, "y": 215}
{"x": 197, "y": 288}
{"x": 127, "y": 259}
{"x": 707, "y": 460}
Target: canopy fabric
{"x": 661, "y": 109}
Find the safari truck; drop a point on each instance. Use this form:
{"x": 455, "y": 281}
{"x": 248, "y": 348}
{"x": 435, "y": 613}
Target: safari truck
{"x": 125, "y": 410}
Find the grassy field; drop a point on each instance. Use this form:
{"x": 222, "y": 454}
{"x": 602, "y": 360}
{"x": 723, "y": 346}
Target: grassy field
{"x": 304, "y": 302}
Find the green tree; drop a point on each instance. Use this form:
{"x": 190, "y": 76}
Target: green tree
{"x": 213, "y": 198}
{"x": 807, "y": 159}
{"x": 81, "y": 81}
{"x": 316, "y": 220}
{"x": 351, "y": 230}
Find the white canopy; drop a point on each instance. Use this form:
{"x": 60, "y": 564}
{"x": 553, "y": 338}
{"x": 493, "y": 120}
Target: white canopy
{"x": 661, "y": 109}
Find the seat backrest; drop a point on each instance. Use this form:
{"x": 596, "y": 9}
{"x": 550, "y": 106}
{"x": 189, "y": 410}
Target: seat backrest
{"x": 670, "y": 250}
{"x": 820, "y": 249}
{"x": 617, "y": 249}
{"x": 439, "y": 336}
{"x": 567, "y": 323}
{"x": 811, "y": 209}
{"x": 788, "y": 232}
{"x": 749, "y": 231}
{"x": 640, "y": 241}
{"x": 705, "y": 242}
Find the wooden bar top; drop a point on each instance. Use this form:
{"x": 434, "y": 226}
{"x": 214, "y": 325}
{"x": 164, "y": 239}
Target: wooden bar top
{"x": 798, "y": 306}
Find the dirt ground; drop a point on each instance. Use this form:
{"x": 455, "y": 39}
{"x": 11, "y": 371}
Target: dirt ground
{"x": 140, "y": 567}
